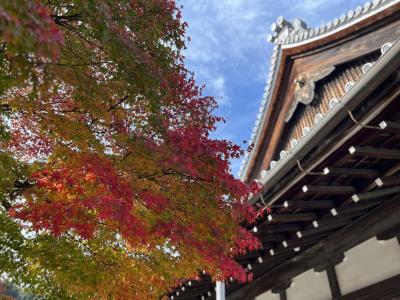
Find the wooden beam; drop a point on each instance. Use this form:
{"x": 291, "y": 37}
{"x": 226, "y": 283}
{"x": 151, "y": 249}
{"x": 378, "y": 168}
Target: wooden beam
{"x": 375, "y": 152}
{"x": 388, "y": 181}
{"x": 281, "y": 286}
{"x": 330, "y": 261}
{"x": 309, "y": 204}
{"x": 329, "y": 189}
{"x": 276, "y": 228}
{"x": 376, "y": 221}
{"x": 393, "y": 127}
{"x": 386, "y": 289}
{"x": 295, "y": 217}
{"x": 389, "y": 234}
{"x": 376, "y": 194}
{"x": 350, "y": 172}
{"x": 276, "y": 237}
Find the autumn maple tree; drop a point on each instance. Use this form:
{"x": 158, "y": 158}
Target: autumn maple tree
{"x": 112, "y": 187}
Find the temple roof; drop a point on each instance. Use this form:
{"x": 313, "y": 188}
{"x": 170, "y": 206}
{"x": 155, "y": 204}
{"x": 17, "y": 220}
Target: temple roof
{"x": 287, "y": 36}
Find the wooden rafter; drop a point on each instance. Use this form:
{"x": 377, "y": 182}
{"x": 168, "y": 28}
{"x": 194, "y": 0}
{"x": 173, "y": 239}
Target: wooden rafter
{"x": 393, "y": 127}
{"x": 387, "y": 181}
{"x": 351, "y": 172}
{"x": 309, "y": 204}
{"x": 373, "y": 152}
{"x": 328, "y": 189}
{"x": 295, "y": 217}
{"x": 376, "y": 194}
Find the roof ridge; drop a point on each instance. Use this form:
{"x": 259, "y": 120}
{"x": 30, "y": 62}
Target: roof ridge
{"x": 288, "y": 33}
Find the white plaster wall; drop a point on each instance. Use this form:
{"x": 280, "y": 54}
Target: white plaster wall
{"x": 368, "y": 263}
{"x": 267, "y": 296}
{"x": 309, "y": 286}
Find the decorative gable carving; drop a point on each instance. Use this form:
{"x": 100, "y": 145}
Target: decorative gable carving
{"x": 304, "y": 90}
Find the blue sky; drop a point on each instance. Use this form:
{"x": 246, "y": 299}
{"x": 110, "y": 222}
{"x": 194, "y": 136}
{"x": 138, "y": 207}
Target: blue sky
{"x": 229, "y": 52}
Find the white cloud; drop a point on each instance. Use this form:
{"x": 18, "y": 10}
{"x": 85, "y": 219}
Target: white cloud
{"x": 221, "y": 26}
{"x": 309, "y": 6}
{"x": 223, "y": 32}
{"x": 219, "y": 88}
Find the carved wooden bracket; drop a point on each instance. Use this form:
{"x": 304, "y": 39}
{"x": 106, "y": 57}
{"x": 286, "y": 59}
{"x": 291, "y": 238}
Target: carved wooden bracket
{"x": 281, "y": 286}
{"x": 333, "y": 260}
{"x": 389, "y": 234}
{"x": 304, "y": 91}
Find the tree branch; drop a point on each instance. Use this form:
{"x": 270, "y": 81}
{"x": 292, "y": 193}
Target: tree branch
{"x": 118, "y": 103}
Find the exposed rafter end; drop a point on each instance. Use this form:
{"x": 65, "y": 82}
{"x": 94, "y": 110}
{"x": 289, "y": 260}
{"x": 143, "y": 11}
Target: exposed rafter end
{"x": 375, "y": 152}
{"x": 387, "y": 181}
{"x": 328, "y": 189}
{"x": 291, "y": 217}
{"x": 376, "y": 194}
{"x": 309, "y": 204}
{"x": 393, "y": 127}
{"x": 350, "y": 172}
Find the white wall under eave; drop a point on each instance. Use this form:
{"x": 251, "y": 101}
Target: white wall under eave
{"x": 309, "y": 286}
{"x": 368, "y": 263}
{"x": 267, "y": 296}
{"x": 306, "y": 286}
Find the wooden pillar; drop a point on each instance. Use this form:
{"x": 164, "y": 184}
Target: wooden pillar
{"x": 393, "y": 232}
{"x": 282, "y": 295}
{"x": 281, "y": 289}
{"x": 329, "y": 266}
{"x": 333, "y": 282}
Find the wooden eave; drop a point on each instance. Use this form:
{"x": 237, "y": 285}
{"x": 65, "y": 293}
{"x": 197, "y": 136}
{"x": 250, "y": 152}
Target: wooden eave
{"x": 364, "y": 206}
